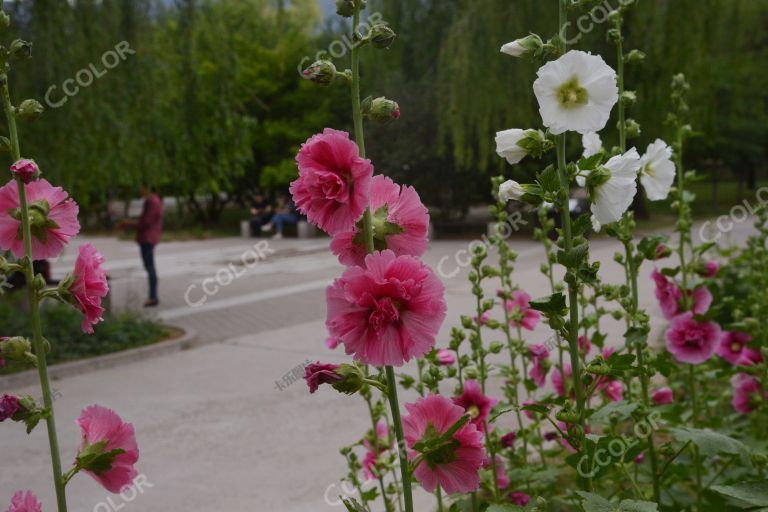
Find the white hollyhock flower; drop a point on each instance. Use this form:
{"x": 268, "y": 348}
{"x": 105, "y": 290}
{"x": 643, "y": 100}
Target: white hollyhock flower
{"x": 576, "y": 93}
{"x": 592, "y": 144}
{"x": 657, "y": 170}
{"x": 614, "y": 187}
{"x": 510, "y": 190}
{"x": 508, "y": 145}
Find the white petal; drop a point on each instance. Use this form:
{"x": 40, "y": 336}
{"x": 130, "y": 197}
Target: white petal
{"x": 514, "y": 49}
{"x": 624, "y": 166}
{"x": 613, "y": 198}
{"x": 592, "y": 144}
{"x": 507, "y": 145}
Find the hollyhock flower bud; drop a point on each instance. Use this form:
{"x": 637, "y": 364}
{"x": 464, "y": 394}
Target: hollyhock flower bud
{"x": 662, "y": 251}
{"x": 511, "y": 190}
{"x": 708, "y": 269}
{"x": 519, "y": 498}
{"x": 322, "y": 72}
{"x": 508, "y": 440}
{"x": 9, "y": 405}
{"x": 663, "y": 396}
{"x": 30, "y": 109}
{"x": 108, "y": 451}
{"x": 380, "y": 110}
{"x": 748, "y": 393}
{"x": 53, "y": 218}
{"x": 20, "y": 49}
{"x": 346, "y": 8}
{"x": 445, "y": 357}
{"x": 15, "y": 349}
{"x": 88, "y": 286}
{"x": 691, "y": 341}
{"x": 25, "y": 170}
{"x": 382, "y": 36}
{"x": 633, "y": 129}
{"x": 5, "y": 20}
{"x": 450, "y": 456}
{"x": 317, "y": 373}
{"x": 525, "y": 47}
{"x": 25, "y": 502}
{"x": 640, "y": 458}
{"x": 634, "y": 57}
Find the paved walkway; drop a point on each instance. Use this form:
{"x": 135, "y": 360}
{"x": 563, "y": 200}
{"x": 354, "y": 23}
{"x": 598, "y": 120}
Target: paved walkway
{"x": 215, "y": 431}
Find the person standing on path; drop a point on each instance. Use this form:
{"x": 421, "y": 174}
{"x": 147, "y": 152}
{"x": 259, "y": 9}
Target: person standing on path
{"x": 148, "y": 231}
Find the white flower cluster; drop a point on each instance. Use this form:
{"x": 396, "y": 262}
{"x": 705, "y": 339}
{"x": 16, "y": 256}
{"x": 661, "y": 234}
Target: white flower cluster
{"x": 577, "y": 93}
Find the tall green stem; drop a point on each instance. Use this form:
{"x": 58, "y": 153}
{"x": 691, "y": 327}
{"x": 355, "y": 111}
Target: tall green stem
{"x": 398, "y": 424}
{"x": 573, "y": 292}
{"x": 34, "y": 307}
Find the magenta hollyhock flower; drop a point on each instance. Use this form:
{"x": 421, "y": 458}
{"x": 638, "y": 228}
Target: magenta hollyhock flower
{"x": 702, "y": 299}
{"x": 99, "y": 424}
{"x": 9, "y": 405}
{"x": 317, "y": 373}
{"x": 25, "y": 502}
{"x": 558, "y": 382}
{"x": 445, "y": 357}
{"x": 334, "y": 181}
{"x": 476, "y": 404}
{"x": 667, "y": 293}
{"x": 748, "y": 393}
{"x": 54, "y": 219}
{"x": 663, "y": 396}
{"x": 733, "y": 348}
{"x": 483, "y": 318}
{"x": 640, "y": 458}
{"x": 388, "y": 312}
{"x": 520, "y": 311}
{"x": 585, "y": 345}
{"x": 508, "y": 439}
{"x": 502, "y": 480}
{"x": 539, "y": 355}
{"x": 89, "y": 286}
{"x": 26, "y": 170}
{"x": 710, "y": 269}
{"x": 612, "y": 389}
{"x": 519, "y": 498}
{"x": 400, "y": 223}
{"x": 454, "y": 465}
{"x": 691, "y": 341}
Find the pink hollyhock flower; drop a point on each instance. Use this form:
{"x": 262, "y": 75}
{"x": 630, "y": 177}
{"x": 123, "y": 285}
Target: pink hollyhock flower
{"x": 640, "y": 458}
{"x": 667, "y": 293}
{"x": 26, "y": 170}
{"x": 733, "y": 348}
{"x": 519, "y": 498}
{"x": 89, "y": 286}
{"x": 483, "y": 318}
{"x": 332, "y": 342}
{"x": 520, "y": 311}
{"x": 25, "y": 502}
{"x": 751, "y": 357}
{"x": 663, "y": 396}
{"x": 748, "y": 393}
{"x": 317, "y": 373}
{"x": 369, "y": 466}
{"x": 454, "y": 465}
{"x": 558, "y": 382}
{"x": 333, "y": 184}
{"x": 99, "y": 424}
{"x": 388, "y": 312}
{"x": 539, "y": 355}
{"x": 400, "y": 223}
{"x": 508, "y": 440}
{"x": 702, "y": 299}
{"x": 585, "y": 345}
{"x": 612, "y": 389}
{"x": 691, "y": 341}
{"x": 529, "y": 414}
{"x": 374, "y": 449}
{"x": 476, "y": 404}
{"x": 445, "y": 357}
{"x": 502, "y": 480}
{"x": 710, "y": 269}
{"x": 9, "y": 405}
{"x": 54, "y": 219}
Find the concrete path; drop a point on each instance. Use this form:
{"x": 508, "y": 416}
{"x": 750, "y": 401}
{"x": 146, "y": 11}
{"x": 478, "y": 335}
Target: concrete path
{"x": 215, "y": 431}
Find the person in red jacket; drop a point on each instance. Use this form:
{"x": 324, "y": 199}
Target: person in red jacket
{"x": 148, "y": 231}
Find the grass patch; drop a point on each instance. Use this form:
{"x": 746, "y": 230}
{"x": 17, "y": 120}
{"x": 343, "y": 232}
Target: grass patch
{"x": 61, "y": 326}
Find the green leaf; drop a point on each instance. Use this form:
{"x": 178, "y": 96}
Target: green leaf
{"x": 549, "y": 180}
{"x": 711, "y": 443}
{"x": 552, "y": 305}
{"x": 637, "y": 335}
{"x": 621, "y": 410}
{"x": 588, "y": 164}
{"x": 752, "y": 493}
{"x": 352, "y": 505}
{"x": 638, "y": 506}
{"x": 594, "y": 503}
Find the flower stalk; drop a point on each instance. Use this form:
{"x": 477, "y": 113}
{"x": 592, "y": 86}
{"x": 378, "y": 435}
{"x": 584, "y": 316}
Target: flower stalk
{"x": 34, "y": 305}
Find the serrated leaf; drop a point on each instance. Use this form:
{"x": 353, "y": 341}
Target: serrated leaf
{"x": 621, "y": 409}
{"x": 638, "y": 506}
{"x": 352, "y": 504}
{"x": 709, "y": 442}
{"x": 594, "y": 503}
{"x": 552, "y": 305}
{"x": 549, "y": 180}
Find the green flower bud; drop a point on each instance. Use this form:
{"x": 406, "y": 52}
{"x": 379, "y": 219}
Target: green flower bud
{"x": 634, "y": 57}
{"x": 496, "y": 347}
{"x": 352, "y": 379}
{"x": 345, "y": 8}
{"x": 31, "y": 109}
{"x": 15, "y": 349}
{"x": 629, "y": 97}
{"x": 5, "y": 20}
{"x": 322, "y": 72}
{"x": 380, "y": 110}
{"x": 633, "y": 129}
{"x": 382, "y": 36}
{"x": 21, "y": 49}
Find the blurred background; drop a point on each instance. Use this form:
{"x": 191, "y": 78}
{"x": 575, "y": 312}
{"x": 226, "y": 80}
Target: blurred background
{"x": 211, "y": 106}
